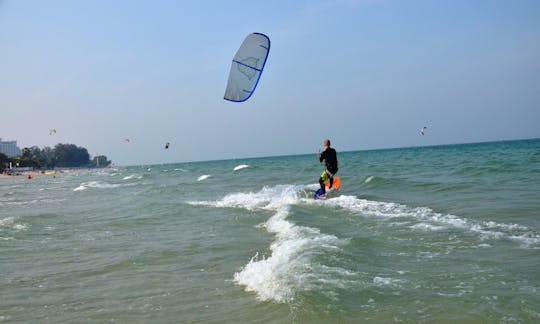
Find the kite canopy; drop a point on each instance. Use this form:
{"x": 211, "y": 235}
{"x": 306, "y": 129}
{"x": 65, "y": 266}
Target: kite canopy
{"x": 167, "y": 145}
{"x": 52, "y": 131}
{"x": 247, "y": 66}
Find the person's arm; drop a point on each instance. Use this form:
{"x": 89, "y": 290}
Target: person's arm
{"x": 322, "y": 156}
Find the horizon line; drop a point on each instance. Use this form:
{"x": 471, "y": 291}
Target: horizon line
{"x": 348, "y": 151}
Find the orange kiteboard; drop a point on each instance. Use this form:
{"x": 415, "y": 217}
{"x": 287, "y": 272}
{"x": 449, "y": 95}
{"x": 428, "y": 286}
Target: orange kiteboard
{"x": 336, "y": 184}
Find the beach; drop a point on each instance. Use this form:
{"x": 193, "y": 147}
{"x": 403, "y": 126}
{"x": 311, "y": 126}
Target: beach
{"x": 24, "y": 172}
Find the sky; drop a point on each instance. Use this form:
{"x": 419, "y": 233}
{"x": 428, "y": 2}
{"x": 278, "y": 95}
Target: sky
{"x": 367, "y": 74}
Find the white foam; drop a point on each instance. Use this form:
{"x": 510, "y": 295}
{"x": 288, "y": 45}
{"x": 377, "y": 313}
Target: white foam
{"x": 510, "y": 227}
{"x": 240, "y": 167}
{"x": 203, "y": 177}
{"x": 368, "y": 179}
{"x": 99, "y": 185}
{"x": 429, "y": 220}
{"x": 313, "y": 186}
{"x": 132, "y": 176}
{"x": 20, "y": 227}
{"x": 10, "y": 221}
{"x": 426, "y": 227}
{"x": 289, "y": 269}
{"x": 389, "y": 282}
{"x": 80, "y": 188}
{"x": 527, "y": 240}
{"x": 267, "y": 198}
{"x": 367, "y": 207}
{"x": 7, "y": 221}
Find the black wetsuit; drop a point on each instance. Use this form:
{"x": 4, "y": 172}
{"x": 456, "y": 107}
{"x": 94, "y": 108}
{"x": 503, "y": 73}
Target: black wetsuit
{"x": 330, "y": 159}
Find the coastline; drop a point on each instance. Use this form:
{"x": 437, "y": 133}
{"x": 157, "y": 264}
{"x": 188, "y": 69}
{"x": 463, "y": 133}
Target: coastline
{"x": 33, "y": 174}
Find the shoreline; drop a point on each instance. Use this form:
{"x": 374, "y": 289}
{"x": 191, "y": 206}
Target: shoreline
{"x": 32, "y": 174}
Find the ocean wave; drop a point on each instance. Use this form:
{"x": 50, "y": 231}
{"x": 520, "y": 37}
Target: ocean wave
{"x": 10, "y": 222}
{"x": 31, "y": 202}
{"x": 387, "y": 282}
{"x": 268, "y": 198}
{"x": 240, "y": 167}
{"x": 132, "y": 176}
{"x": 203, "y": 177}
{"x": 7, "y": 221}
{"x": 290, "y": 267}
{"x": 429, "y": 220}
{"x": 426, "y": 227}
{"x": 20, "y": 227}
{"x": 100, "y": 185}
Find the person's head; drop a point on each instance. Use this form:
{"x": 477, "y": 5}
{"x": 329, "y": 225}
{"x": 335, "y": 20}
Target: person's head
{"x": 326, "y": 143}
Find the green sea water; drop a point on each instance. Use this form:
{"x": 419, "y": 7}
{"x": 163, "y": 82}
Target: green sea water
{"x": 440, "y": 234}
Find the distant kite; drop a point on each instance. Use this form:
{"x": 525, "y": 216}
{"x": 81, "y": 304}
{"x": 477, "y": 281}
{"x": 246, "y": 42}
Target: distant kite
{"x": 247, "y": 66}
{"x": 127, "y": 140}
{"x": 52, "y": 131}
{"x": 167, "y": 145}
{"x": 423, "y": 130}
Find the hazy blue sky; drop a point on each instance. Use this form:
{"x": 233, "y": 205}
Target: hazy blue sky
{"x": 366, "y": 74}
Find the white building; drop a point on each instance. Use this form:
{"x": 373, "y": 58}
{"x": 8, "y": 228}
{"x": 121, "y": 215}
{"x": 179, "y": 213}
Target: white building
{"x": 10, "y": 148}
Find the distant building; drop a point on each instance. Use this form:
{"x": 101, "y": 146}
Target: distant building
{"x": 10, "y": 148}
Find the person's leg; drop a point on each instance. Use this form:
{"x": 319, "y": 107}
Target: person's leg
{"x": 331, "y": 182}
{"x": 321, "y": 182}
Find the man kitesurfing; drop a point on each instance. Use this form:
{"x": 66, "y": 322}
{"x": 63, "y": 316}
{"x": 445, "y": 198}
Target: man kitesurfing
{"x": 329, "y": 156}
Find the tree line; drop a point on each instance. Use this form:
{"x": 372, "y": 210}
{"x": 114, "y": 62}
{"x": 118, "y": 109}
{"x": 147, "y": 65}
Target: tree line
{"x": 62, "y": 155}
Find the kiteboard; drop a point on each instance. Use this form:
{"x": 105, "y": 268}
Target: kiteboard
{"x": 336, "y": 185}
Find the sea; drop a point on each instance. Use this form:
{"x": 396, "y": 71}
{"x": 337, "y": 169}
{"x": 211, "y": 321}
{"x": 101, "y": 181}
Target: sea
{"x": 441, "y": 234}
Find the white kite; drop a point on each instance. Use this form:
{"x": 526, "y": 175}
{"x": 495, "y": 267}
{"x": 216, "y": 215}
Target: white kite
{"x": 247, "y": 66}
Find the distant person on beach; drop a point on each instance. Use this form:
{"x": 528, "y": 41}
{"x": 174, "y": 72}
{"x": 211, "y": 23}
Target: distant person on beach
{"x": 329, "y": 156}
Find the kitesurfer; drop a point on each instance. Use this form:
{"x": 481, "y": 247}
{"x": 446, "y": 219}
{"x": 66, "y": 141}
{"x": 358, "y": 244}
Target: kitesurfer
{"x": 329, "y": 156}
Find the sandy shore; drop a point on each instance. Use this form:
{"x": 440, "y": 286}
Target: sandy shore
{"x": 39, "y": 173}
{"x": 31, "y": 174}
